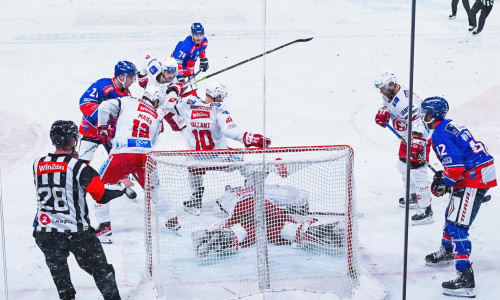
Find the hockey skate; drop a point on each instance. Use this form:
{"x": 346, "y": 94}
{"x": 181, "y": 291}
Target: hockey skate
{"x": 413, "y": 201}
{"x": 423, "y": 216}
{"x": 104, "y": 233}
{"x": 452, "y": 17}
{"x": 462, "y": 286}
{"x": 173, "y": 224}
{"x": 219, "y": 241}
{"x": 440, "y": 258}
{"x": 193, "y": 205}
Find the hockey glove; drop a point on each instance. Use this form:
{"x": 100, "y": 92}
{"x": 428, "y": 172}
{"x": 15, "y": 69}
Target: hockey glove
{"x": 438, "y": 188}
{"x": 382, "y": 116}
{"x": 204, "y": 64}
{"x": 103, "y": 134}
{"x": 256, "y": 140}
{"x": 417, "y": 147}
{"x": 217, "y": 241}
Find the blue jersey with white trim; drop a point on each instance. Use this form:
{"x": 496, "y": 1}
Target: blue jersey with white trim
{"x": 466, "y": 161}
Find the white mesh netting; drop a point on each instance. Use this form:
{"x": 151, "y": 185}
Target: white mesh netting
{"x": 251, "y": 220}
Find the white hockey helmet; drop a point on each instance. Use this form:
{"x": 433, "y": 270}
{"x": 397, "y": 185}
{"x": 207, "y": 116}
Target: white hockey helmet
{"x": 384, "y": 79}
{"x": 216, "y": 90}
{"x": 152, "y": 93}
{"x": 169, "y": 64}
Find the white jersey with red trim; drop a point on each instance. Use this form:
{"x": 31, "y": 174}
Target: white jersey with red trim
{"x": 137, "y": 127}
{"x": 208, "y": 124}
{"x": 283, "y": 196}
{"x": 398, "y": 108}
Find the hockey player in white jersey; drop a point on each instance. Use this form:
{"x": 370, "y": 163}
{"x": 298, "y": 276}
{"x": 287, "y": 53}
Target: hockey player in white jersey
{"x": 286, "y": 216}
{"x": 162, "y": 73}
{"x": 395, "y": 107}
{"x": 137, "y": 128}
{"x": 209, "y": 124}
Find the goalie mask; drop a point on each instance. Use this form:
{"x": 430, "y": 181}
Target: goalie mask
{"x": 61, "y": 133}
{"x": 217, "y": 91}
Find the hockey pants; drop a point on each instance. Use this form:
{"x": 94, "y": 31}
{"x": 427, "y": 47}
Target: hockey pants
{"x": 89, "y": 255}
{"x": 461, "y": 212}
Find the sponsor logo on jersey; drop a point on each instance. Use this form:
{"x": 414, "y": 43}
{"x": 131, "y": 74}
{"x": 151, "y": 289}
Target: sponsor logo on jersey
{"x": 218, "y": 104}
{"x": 104, "y": 166}
{"x": 108, "y": 89}
{"x": 199, "y": 114}
{"x": 63, "y": 221}
{"x": 139, "y": 143}
{"x": 205, "y": 43}
{"x": 148, "y": 110}
{"x": 190, "y": 102}
{"x": 44, "y": 219}
{"x": 200, "y": 107}
{"x": 447, "y": 160}
{"x": 45, "y": 167}
{"x": 229, "y": 120}
{"x": 407, "y": 93}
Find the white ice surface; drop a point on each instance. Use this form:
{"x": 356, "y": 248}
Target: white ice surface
{"x": 315, "y": 93}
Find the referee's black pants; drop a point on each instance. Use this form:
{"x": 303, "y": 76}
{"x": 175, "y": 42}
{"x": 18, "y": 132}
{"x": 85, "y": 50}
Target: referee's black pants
{"x": 89, "y": 254}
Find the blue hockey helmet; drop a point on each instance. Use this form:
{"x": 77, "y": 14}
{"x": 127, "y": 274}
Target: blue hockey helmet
{"x": 433, "y": 109}
{"x": 125, "y": 67}
{"x": 435, "y": 106}
{"x": 197, "y": 28}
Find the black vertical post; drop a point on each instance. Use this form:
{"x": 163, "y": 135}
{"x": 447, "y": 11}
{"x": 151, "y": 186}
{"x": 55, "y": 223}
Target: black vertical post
{"x": 408, "y": 148}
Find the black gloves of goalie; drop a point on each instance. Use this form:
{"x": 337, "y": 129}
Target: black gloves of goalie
{"x": 204, "y": 64}
{"x": 438, "y": 188}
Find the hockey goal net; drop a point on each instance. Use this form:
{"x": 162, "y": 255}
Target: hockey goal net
{"x": 251, "y": 221}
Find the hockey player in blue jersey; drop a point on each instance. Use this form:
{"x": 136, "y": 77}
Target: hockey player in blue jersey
{"x": 186, "y": 52}
{"x": 469, "y": 172}
{"x": 102, "y": 90}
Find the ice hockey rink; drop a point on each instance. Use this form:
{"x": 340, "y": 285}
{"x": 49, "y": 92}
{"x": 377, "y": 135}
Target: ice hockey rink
{"x": 315, "y": 93}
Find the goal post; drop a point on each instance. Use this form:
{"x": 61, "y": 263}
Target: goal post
{"x": 252, "y": 221}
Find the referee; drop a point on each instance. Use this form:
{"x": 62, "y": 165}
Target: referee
{"x": 62, "y": 223}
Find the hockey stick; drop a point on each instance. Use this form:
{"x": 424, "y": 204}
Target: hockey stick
{"x": 90, "y": 149}
{"x": 255, "y": 57}
{"x": 422, "y": 159}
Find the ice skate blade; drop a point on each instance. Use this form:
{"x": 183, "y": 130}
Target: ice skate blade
{"x": 439, "y": 264}
{"x": 412, "y": 206}
{"x": 422, "y": 222}
{"x": 462, "y": 293}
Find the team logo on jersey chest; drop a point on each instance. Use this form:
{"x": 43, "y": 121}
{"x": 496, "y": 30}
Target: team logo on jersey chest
{"x": 200, "y": 114}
